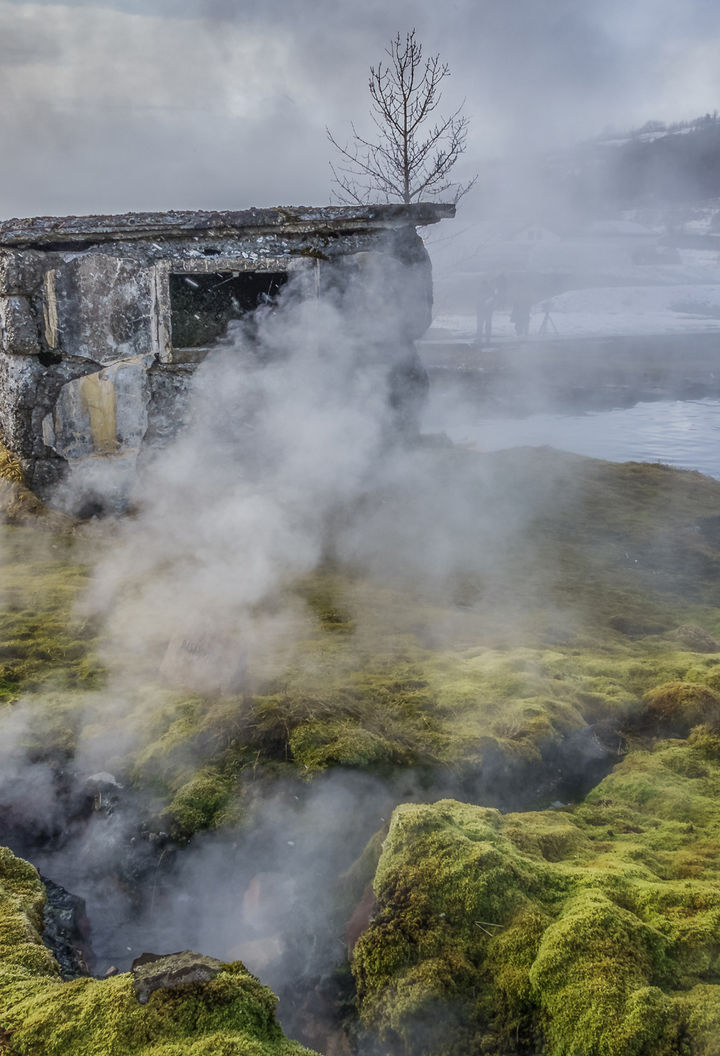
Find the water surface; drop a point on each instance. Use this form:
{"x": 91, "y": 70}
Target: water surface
{"x": 682, "y": 433}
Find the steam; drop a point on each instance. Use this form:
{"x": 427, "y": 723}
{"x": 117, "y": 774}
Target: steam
{"x": 293, "y": 445}
{"x": 238, "y": 507}
{"x": 294, "y": 453}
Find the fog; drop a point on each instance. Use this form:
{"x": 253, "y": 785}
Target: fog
{"x": 108, "y": 107}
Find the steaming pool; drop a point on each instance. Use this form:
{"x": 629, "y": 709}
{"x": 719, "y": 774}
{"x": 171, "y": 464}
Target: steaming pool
{"x": 681, "y": 433}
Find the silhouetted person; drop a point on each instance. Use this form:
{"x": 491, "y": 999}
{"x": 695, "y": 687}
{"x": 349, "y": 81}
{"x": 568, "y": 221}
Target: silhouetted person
{"x": 520, "y": 314}
{"x": 484, "y": 312}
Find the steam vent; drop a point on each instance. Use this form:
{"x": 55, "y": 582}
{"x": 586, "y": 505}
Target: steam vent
{"x": 104, "y": 319}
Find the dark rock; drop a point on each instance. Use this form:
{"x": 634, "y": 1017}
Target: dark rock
{"x": 67, "y": 931}
{"x": 103, "y": 790}
{"x": 153, "y": 971}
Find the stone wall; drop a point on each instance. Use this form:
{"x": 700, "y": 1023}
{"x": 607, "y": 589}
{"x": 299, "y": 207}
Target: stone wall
{"x": 89, "y": 370}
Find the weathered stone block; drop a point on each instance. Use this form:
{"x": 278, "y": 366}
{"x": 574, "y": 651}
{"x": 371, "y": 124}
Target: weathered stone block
{"x": 18, "y": 329}
{"x": 21, "y": 271}
{"x": 87, "y": 304}
{"x": 19, "y": 378}
{"x": 103, "y": 413}
{"x": 104, "y": 307}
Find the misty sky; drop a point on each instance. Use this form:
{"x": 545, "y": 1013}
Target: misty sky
{"x": 112, "y": 105}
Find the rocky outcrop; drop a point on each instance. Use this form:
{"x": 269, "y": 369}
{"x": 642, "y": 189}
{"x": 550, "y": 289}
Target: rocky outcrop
{"x": 67, "y": 930}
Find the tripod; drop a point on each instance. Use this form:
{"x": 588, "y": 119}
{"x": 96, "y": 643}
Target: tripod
{"x": 547, "y": 324}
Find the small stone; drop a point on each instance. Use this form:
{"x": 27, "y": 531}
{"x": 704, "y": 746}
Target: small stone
{"x": 153, "y": 971}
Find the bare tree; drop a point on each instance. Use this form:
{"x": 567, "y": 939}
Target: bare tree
{"x": 412, "y": 158}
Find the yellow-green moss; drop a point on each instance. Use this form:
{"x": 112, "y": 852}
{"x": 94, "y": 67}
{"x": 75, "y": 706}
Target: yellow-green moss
{"x": 676, "y": 707}
{"x": 42, "y": 639}
{"x": 232, "y": 1015}
{"x": 199, "y": 803}
{"x": 416, "y": 678}
{"x": 491, "y": 682}
{"x": 588, "y": 931}
{"x": 601, "y": 607}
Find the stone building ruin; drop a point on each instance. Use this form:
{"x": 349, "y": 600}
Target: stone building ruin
{"x": 104, "y": 319}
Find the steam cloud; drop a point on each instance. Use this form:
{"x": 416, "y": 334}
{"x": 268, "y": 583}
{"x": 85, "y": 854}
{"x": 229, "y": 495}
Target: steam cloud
{"x": 290, "y": 455}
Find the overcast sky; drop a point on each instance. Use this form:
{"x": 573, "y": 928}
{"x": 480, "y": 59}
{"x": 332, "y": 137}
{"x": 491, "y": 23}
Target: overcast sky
{"x": 112, "y": 105}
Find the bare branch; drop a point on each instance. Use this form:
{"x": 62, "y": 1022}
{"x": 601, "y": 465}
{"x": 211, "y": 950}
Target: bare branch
{"x": 410, "y": 158}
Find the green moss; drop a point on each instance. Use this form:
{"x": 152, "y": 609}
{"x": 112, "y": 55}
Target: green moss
{"x": 678, "y": 706}
{"x": 43, "y": 641}
{"x": 199, "y": 803}
{"x": 472, "y": 675}
{"x": 599, "y": 608}
{"x": 232, "y": 1015}
{"x": 592, "y": 931}
{"x": 317, "y": 745}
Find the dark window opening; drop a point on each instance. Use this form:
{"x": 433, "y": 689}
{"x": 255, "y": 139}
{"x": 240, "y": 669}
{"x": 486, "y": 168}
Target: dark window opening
{"x": 202, "y": 305}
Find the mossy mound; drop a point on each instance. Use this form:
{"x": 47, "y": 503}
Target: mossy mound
{"x": 674, "y": 708}
{"x": 695, "y": 638}
{"x": 592, "y": 609}
{"x": 231, "y": 1015}
{"x": 561, "y": 623}
{"x": 587, "y": 931}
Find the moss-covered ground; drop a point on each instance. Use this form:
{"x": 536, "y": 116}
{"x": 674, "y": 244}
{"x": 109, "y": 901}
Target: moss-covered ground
{"x": 601, "y": 584}
{"x": 583, "y": 931}
{"x": 582, "y": 608}
{"x": 43, "y": 642}
{"x": 232, "y": 1015}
